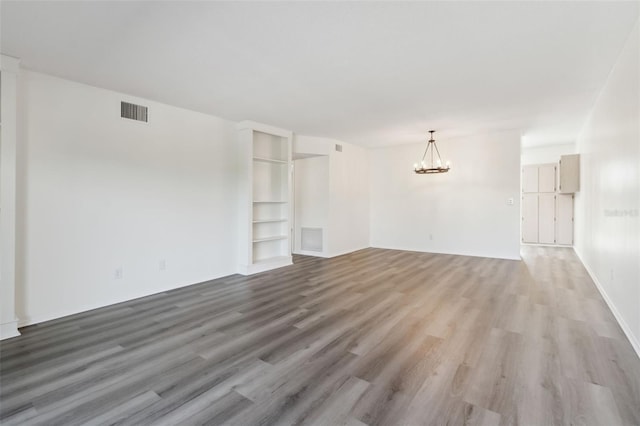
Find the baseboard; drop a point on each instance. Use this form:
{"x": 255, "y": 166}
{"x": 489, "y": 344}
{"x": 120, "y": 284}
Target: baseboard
{"x": 38, "y": 319}
{"x": 267, "y": 265}
{"x": 342, "y": 253}
{"x": 547, "y": 245}
{"x": 9, "y": 330}
{"x": 310, "y": 253}
{"x": 623, "y": 324}
{"x": 329, "y": 255}
{"x": 449, "y": 253}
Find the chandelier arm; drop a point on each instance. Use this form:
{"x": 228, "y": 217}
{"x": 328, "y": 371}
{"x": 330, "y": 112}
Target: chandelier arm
{"x": 425, "y": 152}
{"x": 438, "y": 154}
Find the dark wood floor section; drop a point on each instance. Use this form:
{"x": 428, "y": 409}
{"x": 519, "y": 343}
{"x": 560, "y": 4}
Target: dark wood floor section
{"x": 376, "y": 337}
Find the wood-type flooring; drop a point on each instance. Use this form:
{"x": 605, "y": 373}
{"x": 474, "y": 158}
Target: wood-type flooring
{"x": 375, "y": 337}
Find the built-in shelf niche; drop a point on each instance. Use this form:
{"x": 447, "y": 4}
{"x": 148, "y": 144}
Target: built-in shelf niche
{"x": 267, "y": 163}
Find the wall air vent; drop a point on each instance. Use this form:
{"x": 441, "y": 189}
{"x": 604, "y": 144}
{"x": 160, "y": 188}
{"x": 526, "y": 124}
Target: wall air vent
{"x": 338, "y": 147}
{"x": 133, "y": 112}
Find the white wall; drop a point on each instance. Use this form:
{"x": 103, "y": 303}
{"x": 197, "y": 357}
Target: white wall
{"x": 546, "y": 154}
{"x": 8, "y": 148}
{"x": 98, "y": 193}
{"x": 463, "y": 212}
{"x": 349, "y": 199}
{"x": 311, "y": 195}
{"x": 347, "y": 188}
{"x": 608, "y": 204}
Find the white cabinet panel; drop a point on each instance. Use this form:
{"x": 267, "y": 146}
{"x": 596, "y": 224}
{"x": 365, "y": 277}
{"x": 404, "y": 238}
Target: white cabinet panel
{"x": 530, "y": 218}
{"x": 547, "y": 178}
{"x": 564, "y": 219}
{"x": 569, "y": 174}
{"x": 546, "y": 218}
{"x": 530, "y": 179}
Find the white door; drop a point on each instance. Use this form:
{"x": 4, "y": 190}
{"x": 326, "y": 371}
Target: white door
{"x": 530, "y": 218}
{"x": 530, "y": 179}
{"x": 547, "y": 178}
{"x": 564, "y": 219}
{"x": 546, "y": 218}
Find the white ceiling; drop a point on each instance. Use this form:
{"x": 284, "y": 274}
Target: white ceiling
{"x": 368, "y": 73}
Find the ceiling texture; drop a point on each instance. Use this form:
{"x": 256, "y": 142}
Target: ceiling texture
{"x": 370, "y": 73}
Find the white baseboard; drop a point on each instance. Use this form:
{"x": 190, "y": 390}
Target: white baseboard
{"x": 623, "y": 324}
{"x": 511, "y": 257}
{"x": 25, "y": 320}
{"x": 311, "y": 253}
{"x": 267, "y": 265}
{"x": 343, "y": 252}
{"x": 9, "y": 330}
{"x": 328, "y": 255}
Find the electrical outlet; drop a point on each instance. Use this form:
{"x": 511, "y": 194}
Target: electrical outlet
{"x": 509, "y": 201}
{"x": 162, "y": 265}
{"x": 118, "y": 273}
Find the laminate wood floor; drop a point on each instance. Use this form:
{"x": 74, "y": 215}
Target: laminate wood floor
{"x": 376, "y": 337}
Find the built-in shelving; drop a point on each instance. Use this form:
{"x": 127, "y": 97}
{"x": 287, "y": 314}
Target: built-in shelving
{"x": 270, "y": 160}
{"x": 274, "y": 238}
{"x": 267, "y": 153}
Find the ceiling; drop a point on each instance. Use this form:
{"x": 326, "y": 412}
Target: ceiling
{"x": 371, "y": 73}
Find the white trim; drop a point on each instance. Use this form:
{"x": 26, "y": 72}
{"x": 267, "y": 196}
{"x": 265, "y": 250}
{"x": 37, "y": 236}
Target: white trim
{"x": 343, "y": 252}
{"x": 548, "y": 245}
{"x": 9, "y": 330}
{"x": 8, "y": 152}
{"x": 449, "y": 253}
{"x": 9, "y": 64}
{"x": 311, "y": 253}
{"x": 31, "y": 320}
{"x": 264, "y": 128}
{"x": 265, "y": 265}
{"x": 623, "y": 324}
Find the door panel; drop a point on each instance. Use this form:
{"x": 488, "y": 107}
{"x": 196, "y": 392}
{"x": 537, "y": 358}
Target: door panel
{"x": 547, "y": 178}
{"x": 530, "y": 179}
{"x": 564, "y": 219}
{"x": 530, "y": 218}
{"x": 546, "y": 218}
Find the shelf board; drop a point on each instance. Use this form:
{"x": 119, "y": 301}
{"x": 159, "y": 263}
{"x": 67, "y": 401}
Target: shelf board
{"x": 270, "y": 160}
{"x": 275, "y": 238}
{"x": 270, "y": 220}
{"x": 270, "y": 202}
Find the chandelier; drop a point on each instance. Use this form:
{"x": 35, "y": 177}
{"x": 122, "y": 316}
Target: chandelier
{"x": 422, "y": 168}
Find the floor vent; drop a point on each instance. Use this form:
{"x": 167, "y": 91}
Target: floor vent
{"x": 133, "y": 112}
{"x": 311, "y": 239}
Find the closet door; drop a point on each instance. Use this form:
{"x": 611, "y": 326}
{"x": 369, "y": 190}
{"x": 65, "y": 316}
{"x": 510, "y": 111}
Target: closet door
{"x": 547, "y": 178}
{"x": 546, "y": 218}
{"x": 564, "y": 219}
{"x": 530, "y": 218}
{"x": 530, "y": 179}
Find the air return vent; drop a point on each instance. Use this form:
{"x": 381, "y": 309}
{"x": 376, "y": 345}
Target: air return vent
{"x": 133, "y": 111}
